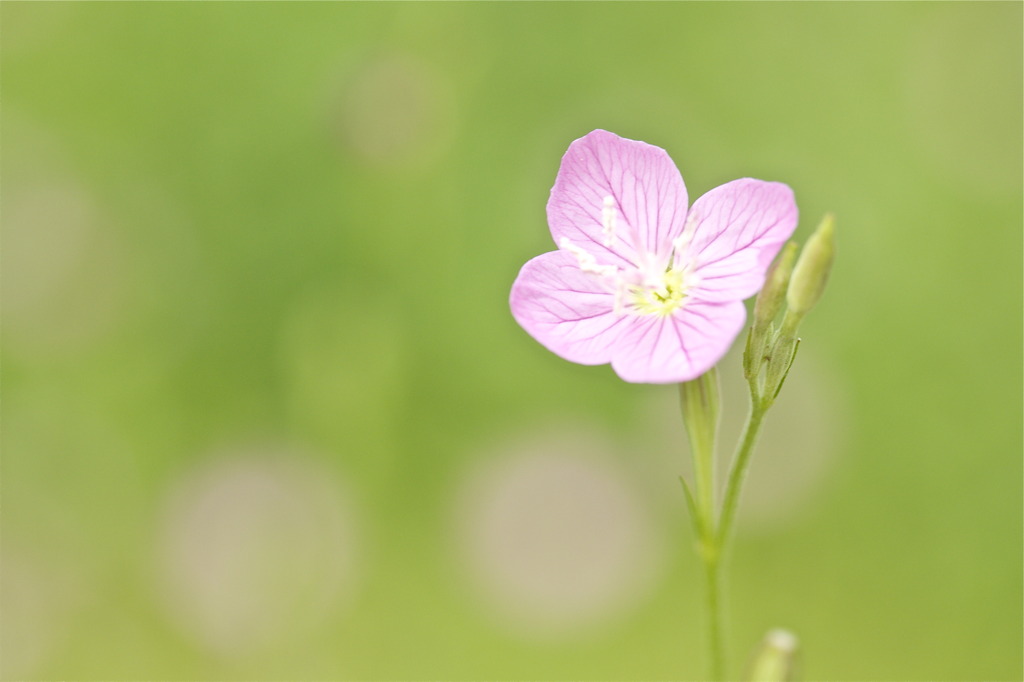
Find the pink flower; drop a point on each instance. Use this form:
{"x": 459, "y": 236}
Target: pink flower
{"x": 638, "y": 280}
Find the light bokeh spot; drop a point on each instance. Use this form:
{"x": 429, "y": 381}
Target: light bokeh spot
{"x": 396, "y": 109}
{"x": 555, "y": 537}
{"x": 47, "y": 227}
{"x": 64, "y": 275}
{"x": 35, "y": 604}
{"x": 257, "y": 547}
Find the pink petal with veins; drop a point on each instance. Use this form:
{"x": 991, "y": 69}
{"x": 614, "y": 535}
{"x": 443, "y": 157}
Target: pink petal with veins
{"x": 571, "y": 313}
{"x": 739, "y": 227}
{"x": 679, "y": 347}
{"x": 650, "y": 198}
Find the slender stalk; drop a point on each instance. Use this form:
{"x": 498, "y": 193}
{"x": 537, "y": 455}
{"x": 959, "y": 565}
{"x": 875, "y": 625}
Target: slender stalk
{"x": 700, "y": 406}
{"x": 716, "y": 641}
{"x": 714, "y": 525}
{"x": 738, "y": 470}
{"x": 713, "y": 547}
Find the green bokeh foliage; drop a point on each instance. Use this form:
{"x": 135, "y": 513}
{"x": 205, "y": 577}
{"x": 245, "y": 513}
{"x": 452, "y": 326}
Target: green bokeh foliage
{"x": 254, "y": 270}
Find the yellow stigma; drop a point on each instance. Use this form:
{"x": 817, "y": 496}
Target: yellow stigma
{"x": 661, "y": 298}
{"x": 637, "y": 290}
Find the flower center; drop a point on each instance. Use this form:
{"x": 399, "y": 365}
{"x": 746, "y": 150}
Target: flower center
{"x": 659, "y": 297}
{"x": 638, "y": 291}
{"x": 649, "y": 286}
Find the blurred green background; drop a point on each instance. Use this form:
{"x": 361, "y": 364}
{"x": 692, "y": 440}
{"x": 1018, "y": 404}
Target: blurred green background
{"x": 266, "y": 413}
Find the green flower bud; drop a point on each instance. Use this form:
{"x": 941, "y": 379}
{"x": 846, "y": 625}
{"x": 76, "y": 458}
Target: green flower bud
{"x": 812, "y": 269}
{"x": 766, "y": 308}
{"x": 775, "y": 658}
{"x": 769, "y": 301}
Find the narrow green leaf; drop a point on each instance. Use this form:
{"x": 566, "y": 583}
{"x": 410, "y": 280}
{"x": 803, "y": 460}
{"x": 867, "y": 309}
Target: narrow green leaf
{"x": 691, "y": 503}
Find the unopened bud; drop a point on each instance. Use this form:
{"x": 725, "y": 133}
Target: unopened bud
{"x": 775, "y": 658}
{"x": 811, "y": 271}
{"x": 766, "y": 308}
{"x": 772, "y": 295}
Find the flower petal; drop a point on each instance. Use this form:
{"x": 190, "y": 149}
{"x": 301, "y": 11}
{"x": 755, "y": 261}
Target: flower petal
{"x": 649, "y": 199}
{"x": 738, "y": 228}
{"x": 568, "y": 311}
{"x": 679, "y": 347}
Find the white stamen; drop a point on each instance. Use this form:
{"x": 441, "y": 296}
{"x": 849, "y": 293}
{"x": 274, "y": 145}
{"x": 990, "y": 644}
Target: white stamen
{"x": 586, "y": 260}
{"x": 618, "y": 306}
{"x": 637, "y": 291}
{"x": 682, "y": 242}
{"x": 608, "y": 219}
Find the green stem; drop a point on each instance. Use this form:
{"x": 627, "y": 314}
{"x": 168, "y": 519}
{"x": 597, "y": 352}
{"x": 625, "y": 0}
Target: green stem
{"x": 716, "y": 657}
{"x": 738, "y": 470}
{"x": 714, "y": 544}
{"x": 700, "y": 406}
